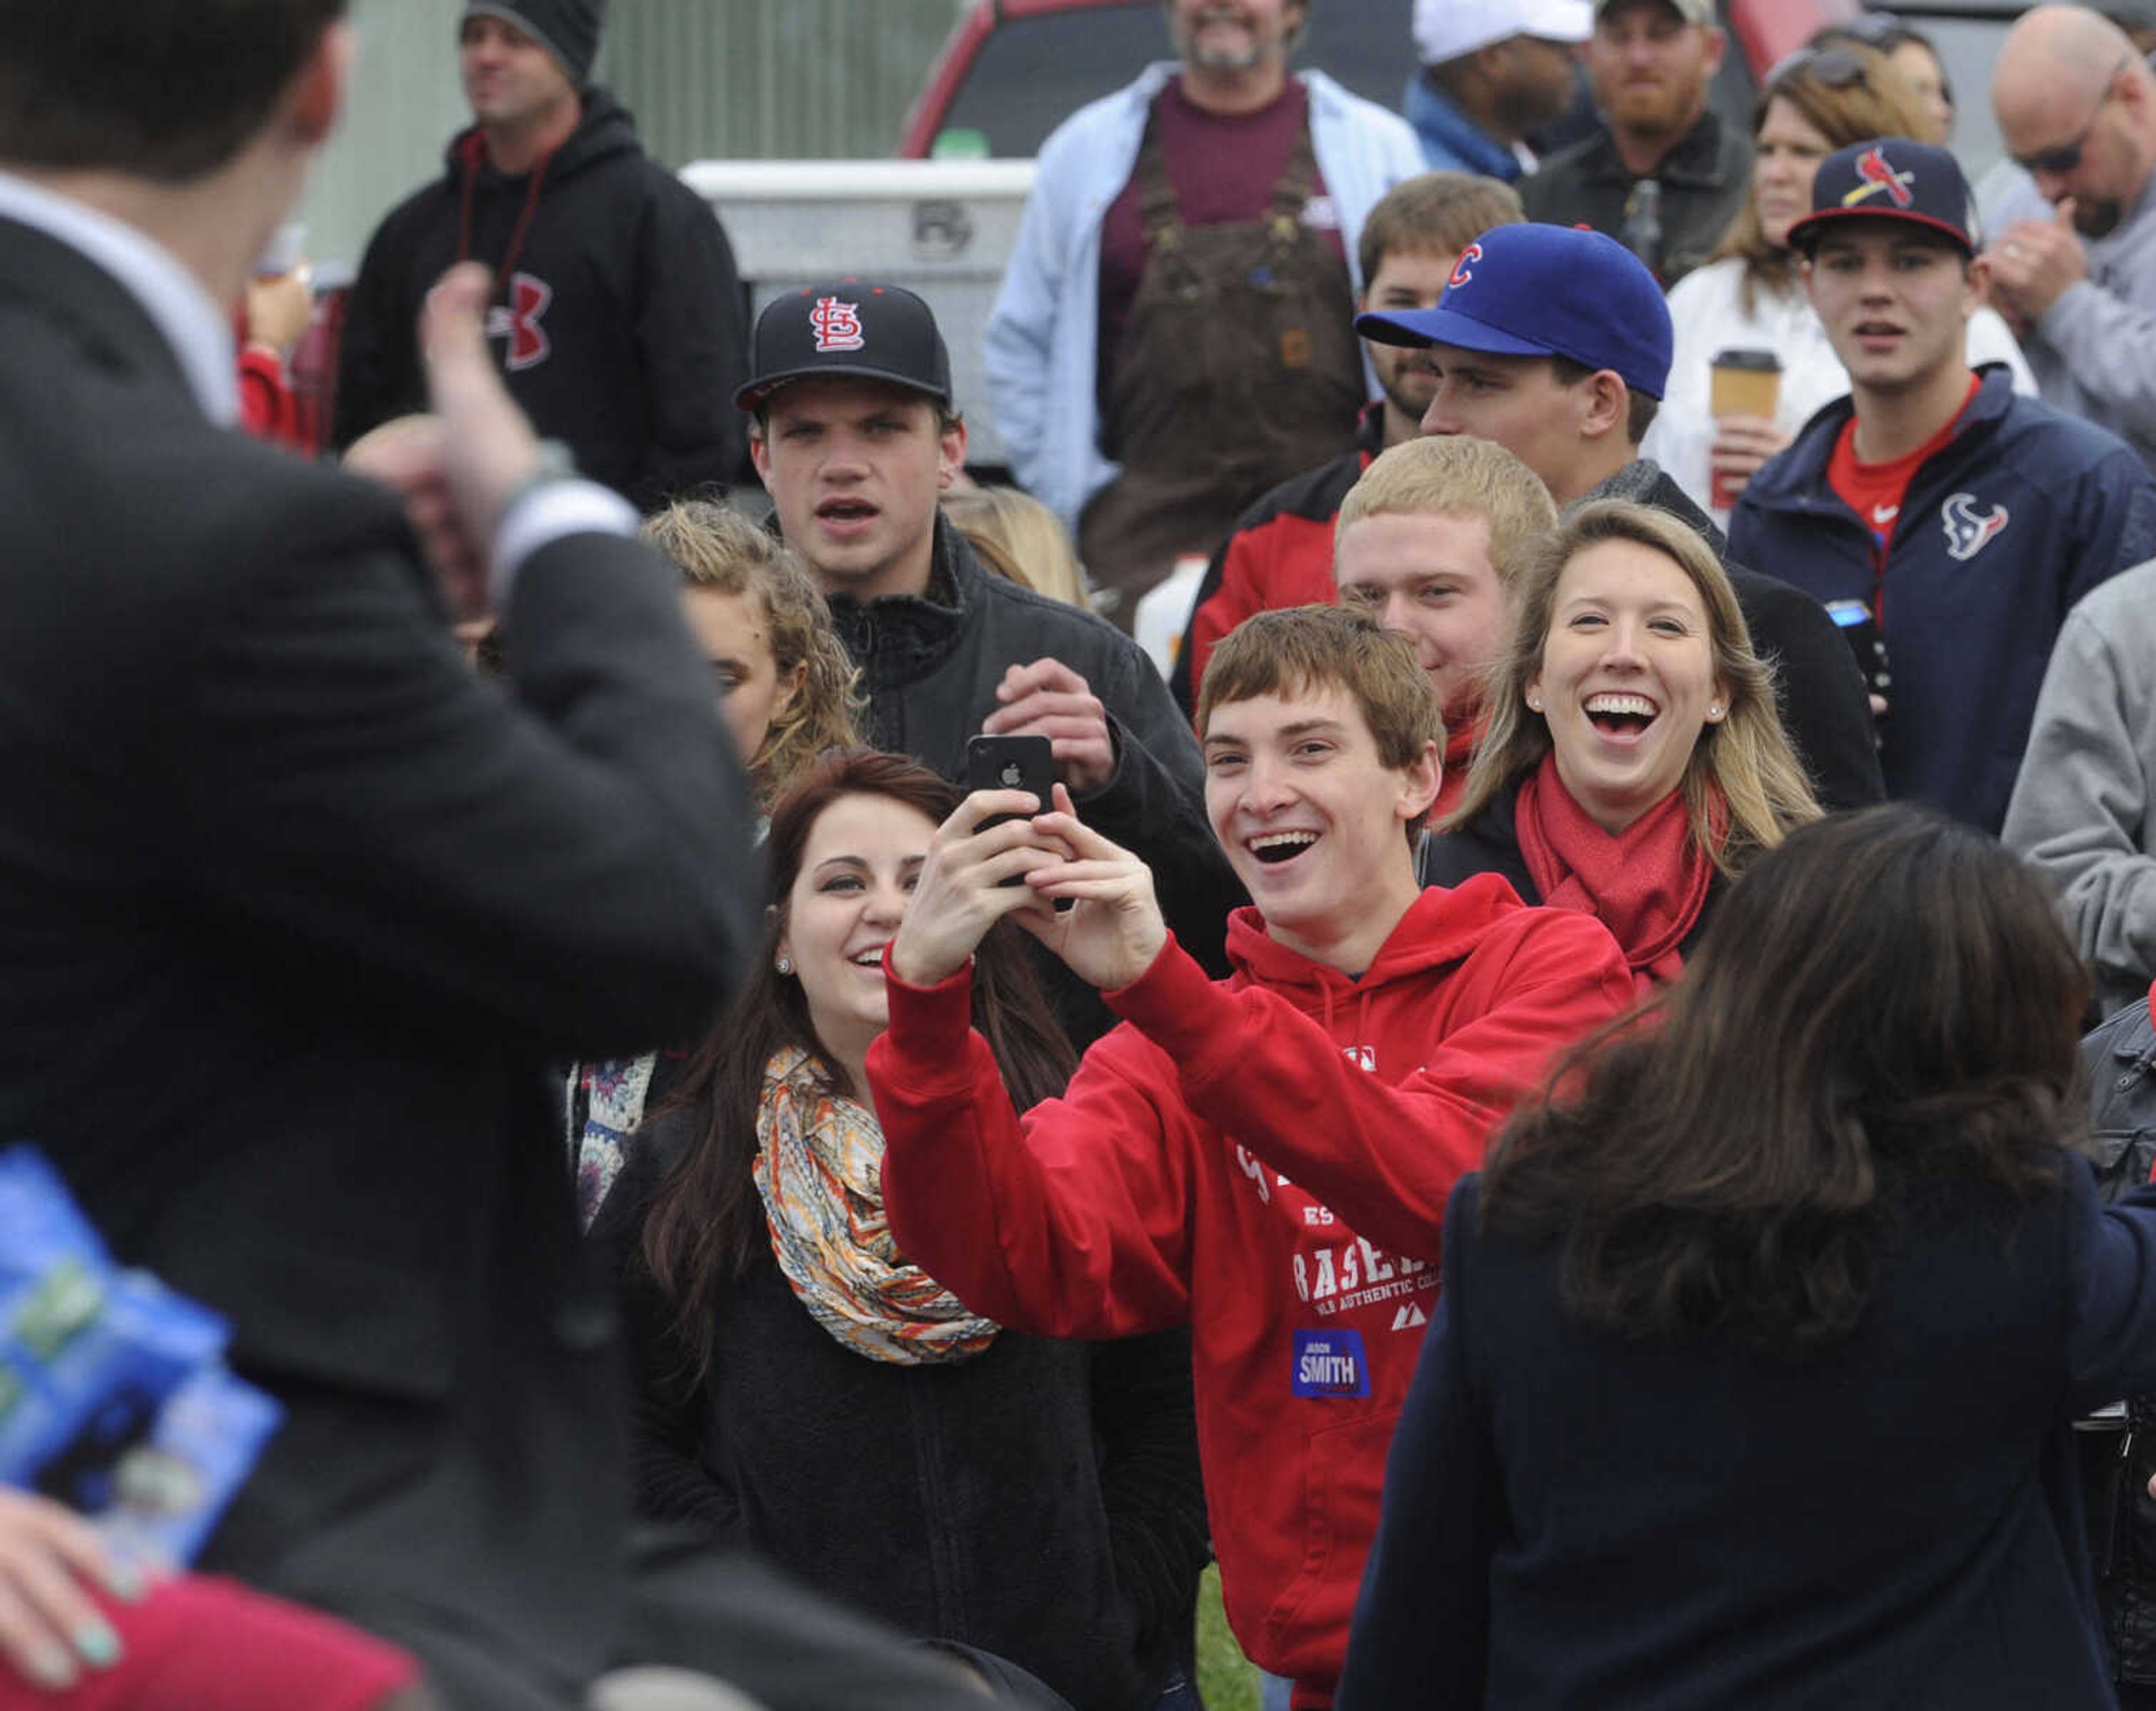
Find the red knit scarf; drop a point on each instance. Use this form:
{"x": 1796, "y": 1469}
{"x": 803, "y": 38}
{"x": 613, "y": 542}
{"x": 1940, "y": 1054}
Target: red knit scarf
{"x": 1647, "y": 884}
{"x": 1460, "y": 745}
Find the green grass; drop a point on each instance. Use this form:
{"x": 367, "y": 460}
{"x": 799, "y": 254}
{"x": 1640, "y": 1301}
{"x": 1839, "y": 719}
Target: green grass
{"x": 1224, "y": 1680}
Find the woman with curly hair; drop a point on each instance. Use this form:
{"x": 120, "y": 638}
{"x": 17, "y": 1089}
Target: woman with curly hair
{"x": 787, "y": 694}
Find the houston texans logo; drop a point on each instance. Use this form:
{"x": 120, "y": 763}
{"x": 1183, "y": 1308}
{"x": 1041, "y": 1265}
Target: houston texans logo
{"x": 1967, "y": 530}
{"x": 518, "y": 321}
{"x": 1463, "y": 270}
{"x": 1877, "y": 175}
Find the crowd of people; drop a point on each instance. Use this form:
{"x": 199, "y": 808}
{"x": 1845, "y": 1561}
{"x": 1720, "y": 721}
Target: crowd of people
{"x": 791, "y": 1124}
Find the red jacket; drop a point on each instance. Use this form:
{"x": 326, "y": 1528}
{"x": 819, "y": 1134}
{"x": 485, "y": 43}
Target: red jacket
{"x": 1266, "y": 1159}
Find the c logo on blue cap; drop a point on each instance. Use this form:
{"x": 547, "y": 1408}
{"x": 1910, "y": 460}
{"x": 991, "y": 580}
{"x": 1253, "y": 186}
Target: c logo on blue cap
{"x": 1462, "y": 270}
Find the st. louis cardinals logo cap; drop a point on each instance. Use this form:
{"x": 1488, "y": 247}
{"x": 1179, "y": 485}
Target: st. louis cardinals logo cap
{"x": 1890, "y": 178}
{"x": 1533, "y": 290}
{"x": 850, "y": 327}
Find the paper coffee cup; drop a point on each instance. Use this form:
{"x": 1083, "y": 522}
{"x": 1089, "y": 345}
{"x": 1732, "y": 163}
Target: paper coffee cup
{"x": 1742, "y": 383}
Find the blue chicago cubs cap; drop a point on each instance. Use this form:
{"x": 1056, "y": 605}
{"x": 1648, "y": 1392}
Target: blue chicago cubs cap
{"x": 1535, "y": 290}
{"x": 1889, "y": 178}
{"x": 852, "y": 327}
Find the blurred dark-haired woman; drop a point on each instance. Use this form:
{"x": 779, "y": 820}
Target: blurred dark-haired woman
{"x": 1759, "y": 1348}
{"x": 810, "y": 1392}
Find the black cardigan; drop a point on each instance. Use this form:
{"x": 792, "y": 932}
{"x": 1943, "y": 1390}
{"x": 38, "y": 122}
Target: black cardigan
{"x": 1040, "y": 1501}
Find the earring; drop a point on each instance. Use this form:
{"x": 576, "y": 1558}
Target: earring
{"x": 1534, "y": 702}
{"x": 784, "y": 965}
{"x": 1714, "y": 709}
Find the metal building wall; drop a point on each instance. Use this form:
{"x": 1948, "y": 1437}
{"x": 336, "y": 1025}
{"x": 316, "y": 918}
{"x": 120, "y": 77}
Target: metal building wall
{"x": 772, "y": 78}
{"x": 405, "y": 103}
{"x": 706, "y": 78}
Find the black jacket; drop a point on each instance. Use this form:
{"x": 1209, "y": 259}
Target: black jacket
{"x": 1704, "y": 181}
{"x": 1040, "y": 1501}
{"x": 1825, "y": 713}
{"x": 620, "y": 329}
{"x": 929, "y": 666}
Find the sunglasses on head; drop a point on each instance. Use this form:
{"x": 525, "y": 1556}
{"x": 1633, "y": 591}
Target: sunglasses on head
{"x": 1836, "y": 68}
{"x": 2065, "y": 158}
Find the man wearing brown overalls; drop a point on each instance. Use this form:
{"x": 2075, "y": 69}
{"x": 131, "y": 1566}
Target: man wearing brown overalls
{"x": 1172, "y": 337}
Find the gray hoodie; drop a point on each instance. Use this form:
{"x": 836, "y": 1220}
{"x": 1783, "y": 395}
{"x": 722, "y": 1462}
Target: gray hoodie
{"x": 2080, "y": 812}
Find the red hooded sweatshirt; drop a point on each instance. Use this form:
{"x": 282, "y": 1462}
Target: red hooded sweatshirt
{"x": 1266, "y": 1159}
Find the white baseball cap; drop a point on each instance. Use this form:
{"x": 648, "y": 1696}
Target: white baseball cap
{"x": 1446, "y": 29}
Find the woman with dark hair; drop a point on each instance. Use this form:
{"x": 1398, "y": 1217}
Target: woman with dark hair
{"x": 1758, "y": 1346}
{"x": 1750, "y": 295}
{"x": 810, "y": 1392}
{"x": 1634, "y": 763}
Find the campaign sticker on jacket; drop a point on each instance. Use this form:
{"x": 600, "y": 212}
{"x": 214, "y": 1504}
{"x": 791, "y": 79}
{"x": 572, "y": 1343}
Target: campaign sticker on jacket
{"x": 1330, "y": 1364}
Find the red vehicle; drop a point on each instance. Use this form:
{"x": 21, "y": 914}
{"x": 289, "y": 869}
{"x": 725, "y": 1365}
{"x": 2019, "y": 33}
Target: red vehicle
{"x": 1012, "y": 70}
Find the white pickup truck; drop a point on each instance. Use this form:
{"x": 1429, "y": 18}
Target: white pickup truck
{"x": 942, "y": 229}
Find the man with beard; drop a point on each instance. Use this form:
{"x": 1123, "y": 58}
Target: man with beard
{"x": 1492, "y": 70}
{"x": 2073, "y": 269}
{"x": 1173, "y": 334}
{"x": 1280, "y": 553}
{"x": 1662, "y": 174}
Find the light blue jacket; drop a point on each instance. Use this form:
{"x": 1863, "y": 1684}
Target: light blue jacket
{"x": 1039, "y": 346}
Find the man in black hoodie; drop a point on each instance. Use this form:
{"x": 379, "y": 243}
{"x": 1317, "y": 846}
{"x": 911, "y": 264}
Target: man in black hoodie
{"x": 617, "y": 316}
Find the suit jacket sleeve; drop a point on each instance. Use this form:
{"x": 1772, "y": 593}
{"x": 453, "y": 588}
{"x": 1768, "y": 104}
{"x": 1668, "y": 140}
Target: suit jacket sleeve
{"x": 564, "y": 859}
{"x": 691, "y": 345}
{"x": 1420, "y": 1632}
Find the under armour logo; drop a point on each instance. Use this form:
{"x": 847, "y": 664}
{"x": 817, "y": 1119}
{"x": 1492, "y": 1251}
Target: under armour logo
{"x": 837, "y": 326}
{"x": 1877, "y": 175}
{"x": 1969, "y": 532}
{"x": 1463, "y": 270}
{"x": 518, "y": 322}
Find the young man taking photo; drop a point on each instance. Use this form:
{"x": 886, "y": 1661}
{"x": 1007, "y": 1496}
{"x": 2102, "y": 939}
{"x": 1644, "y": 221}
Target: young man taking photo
{"x": 1962, "y": 520}
{"x": 1182, "y": 1180}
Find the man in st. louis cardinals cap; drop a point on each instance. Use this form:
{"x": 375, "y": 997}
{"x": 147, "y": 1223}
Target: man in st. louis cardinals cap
{"x": 856, "y": 436}
{"x": 848, "y": 327}
{"x": 1554, "y": 341}
{"x": 1889, "y": 178}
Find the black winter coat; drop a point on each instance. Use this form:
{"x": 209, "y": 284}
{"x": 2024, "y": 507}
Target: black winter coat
{"x": 1040, "y": 1501}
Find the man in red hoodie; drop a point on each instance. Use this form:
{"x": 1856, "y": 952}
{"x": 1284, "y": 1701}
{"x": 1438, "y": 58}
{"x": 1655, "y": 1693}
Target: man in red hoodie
{"x": 1266, "y": 1158}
